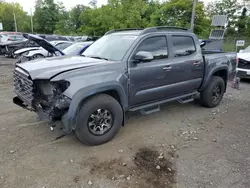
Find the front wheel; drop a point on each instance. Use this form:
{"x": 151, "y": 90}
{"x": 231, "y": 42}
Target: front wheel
{"x": 37, "y": 56}
{"x": 213, "y": 94}
{"x": 99, "y": 120}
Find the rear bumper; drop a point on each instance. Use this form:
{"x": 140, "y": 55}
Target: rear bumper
{"x": 243, "y": 73}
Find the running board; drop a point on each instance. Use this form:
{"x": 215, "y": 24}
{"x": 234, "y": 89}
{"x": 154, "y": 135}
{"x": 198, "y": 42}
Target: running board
{"x": 181, "y": 98}
{"x": 182, "y": 101}
{"x": 147, "y": 111}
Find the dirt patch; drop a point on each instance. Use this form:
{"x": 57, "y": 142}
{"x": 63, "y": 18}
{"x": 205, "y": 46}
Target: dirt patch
{"x": 112, "y": 170}
{"x": 149, "y": 169}
{"x": 156, "y": 169}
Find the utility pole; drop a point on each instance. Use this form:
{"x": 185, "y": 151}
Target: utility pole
{"x": 193, "y": 15}
{"x": 31, "y": 21}
{"x": 15, "y": 21}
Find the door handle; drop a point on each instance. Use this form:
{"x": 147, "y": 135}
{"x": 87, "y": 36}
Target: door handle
{"x": 168, "y": 68}
{"x": 196, "y": 63}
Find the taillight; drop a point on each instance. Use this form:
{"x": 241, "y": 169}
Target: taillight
{"x": 9, "y": 39}
{"x": 237, "y": 61}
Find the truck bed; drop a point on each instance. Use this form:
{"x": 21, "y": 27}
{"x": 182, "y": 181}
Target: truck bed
{"x": 213, "y": 58}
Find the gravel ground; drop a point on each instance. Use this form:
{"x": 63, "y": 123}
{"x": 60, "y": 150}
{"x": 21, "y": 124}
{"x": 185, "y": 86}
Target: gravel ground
{"x": 180, "y": 146}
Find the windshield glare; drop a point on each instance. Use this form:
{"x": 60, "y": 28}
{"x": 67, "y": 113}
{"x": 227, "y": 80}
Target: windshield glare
{"x": 247, "y": 50}
{"x": 73, "y": 49}
{"x": 111, "y": 47}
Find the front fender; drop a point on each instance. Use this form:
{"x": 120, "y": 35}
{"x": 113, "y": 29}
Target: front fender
{"x": 209, "y": 75}
{"x": 86, "y": 92}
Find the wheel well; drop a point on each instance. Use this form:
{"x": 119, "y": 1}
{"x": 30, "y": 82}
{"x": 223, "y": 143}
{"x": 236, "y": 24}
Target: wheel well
{"x": 114, "y": 94}
{"x": 223, "y": 75}
{"x": 38, "y": 54}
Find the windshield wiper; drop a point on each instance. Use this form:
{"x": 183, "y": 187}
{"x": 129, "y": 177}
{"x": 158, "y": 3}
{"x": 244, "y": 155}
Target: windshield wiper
{"x": 97, "y": 57}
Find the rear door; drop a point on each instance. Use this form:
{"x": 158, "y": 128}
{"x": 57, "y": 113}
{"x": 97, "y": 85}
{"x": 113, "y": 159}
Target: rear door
{"x": 187, "y": 66}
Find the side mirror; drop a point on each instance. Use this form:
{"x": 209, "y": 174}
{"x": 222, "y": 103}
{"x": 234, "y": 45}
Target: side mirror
{"x": 241, "y": 51}
{"x": 202, "y": 44}
{"x": 143, "y": 56}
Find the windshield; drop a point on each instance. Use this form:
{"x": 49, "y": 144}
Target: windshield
{"x": 111, "y": 47}
{"x": 73, "y": 49}
{"x": 247, "y": 50}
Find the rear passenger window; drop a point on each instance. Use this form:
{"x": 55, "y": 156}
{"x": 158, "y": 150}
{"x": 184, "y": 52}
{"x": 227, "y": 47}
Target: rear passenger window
{"x": 183, "y": 46}
{"x": 157, "y": 46}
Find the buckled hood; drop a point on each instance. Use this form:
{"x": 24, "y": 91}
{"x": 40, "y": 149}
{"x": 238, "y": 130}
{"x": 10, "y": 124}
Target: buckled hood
{"x": 43, "y": 43}
{"x": 50, "y": 67}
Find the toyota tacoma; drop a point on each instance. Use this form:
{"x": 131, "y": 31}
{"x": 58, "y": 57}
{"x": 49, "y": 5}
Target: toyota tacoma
{"x": 125, "y": 70}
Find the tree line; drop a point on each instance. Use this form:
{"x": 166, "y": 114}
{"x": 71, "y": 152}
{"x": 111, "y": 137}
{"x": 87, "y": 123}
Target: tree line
{"x": 51, "y": 17}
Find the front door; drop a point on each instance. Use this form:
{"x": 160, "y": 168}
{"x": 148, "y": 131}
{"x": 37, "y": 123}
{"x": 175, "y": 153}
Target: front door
{"x": 147, "y": 79}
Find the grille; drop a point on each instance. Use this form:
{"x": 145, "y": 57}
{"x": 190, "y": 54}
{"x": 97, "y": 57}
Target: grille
{"x": 244, "y": 64}
{"x": 23, "y": 87}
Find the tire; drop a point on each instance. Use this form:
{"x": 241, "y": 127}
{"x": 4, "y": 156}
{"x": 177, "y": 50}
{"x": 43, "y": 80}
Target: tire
{"x": 37, "y": 56}
{"x": 209, "y": 97}
{"x": 91, "y": 108}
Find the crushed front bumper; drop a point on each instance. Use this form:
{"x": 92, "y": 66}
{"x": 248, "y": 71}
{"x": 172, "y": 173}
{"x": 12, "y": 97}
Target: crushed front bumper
{"x": 57, "y": 112}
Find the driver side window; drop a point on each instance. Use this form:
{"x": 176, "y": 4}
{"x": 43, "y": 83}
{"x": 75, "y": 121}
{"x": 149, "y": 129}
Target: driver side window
{"x": 157, "y": 46}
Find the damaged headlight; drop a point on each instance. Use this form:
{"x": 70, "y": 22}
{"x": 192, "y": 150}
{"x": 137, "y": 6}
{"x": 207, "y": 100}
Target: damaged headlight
{"x": 53, "y": 88}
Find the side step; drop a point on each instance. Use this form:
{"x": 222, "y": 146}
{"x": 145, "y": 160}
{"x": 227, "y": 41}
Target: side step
{"x": 151, "y": 110}
{"x": 154, "y": 107}
{"x": 187, "y": 100}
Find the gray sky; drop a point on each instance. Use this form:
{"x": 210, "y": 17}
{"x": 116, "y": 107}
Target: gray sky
{"x": 29, "y": 4}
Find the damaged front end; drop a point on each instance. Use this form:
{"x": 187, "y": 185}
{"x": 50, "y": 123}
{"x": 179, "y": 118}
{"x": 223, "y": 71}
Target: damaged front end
{"x": 44, "y": 97}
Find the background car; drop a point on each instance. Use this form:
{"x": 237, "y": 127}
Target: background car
{"x": 54, "y": 37}
{"x": 77, "y": 48}
{"x": 244, "y": 63}
{"x": 42, "y": 52}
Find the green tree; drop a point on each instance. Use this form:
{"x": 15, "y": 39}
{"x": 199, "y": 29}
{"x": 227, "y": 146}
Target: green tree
{"x": 46, "y": 16}
{"x": 63, "y": 26}
{"x": 7, "y": 11}
{"x": 178, "y": 13}
{"x": 74, "y": 16}
{"x": 117, "y": 14}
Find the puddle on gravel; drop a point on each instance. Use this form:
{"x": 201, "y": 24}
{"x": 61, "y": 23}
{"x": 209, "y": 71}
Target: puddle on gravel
{"x": 149, "y": 169}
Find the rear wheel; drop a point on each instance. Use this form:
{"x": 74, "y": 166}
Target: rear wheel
{"x": 213, "y": 94}
{"x": 99, "y": 120}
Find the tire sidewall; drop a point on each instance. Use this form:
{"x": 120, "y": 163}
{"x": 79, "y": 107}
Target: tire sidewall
{"x": 222, "y": 87}
{"x": 82, "y": 129}
{"x": 206, "y": 96}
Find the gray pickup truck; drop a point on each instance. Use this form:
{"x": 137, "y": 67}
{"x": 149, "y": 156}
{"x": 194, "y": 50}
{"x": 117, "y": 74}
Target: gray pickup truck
{"x": 126, "y": 70}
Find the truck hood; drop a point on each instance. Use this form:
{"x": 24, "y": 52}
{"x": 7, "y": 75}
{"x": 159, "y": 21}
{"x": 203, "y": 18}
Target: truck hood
{"x": 244, "y": 56}
{"x": 50, "y": 67}
{"x": 43, "y": 43}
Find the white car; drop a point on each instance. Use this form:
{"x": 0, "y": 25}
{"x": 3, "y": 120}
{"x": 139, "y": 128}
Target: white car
{"x": 244, "y": 63}
{"x": 42, "y": 53}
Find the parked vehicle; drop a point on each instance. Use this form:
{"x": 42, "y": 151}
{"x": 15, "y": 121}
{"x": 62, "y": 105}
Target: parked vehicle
{"x": 10, "y": 48}
{"x": 77, "y": 48}
{"x": 47, "y": 49}
{"x": 244, "y": 63}
{"x": 70, "y": 38}
{"x": 52, "y": 48}
{"x": 54, "y": 37}
{"x": 125, "y": 70}
{"x": 3, "y": 38}
{"x": 86, "y": 38}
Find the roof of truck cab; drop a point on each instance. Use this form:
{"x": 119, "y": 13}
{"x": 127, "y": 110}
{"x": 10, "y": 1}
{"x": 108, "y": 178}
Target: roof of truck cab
{"x": 139, "y": 32}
